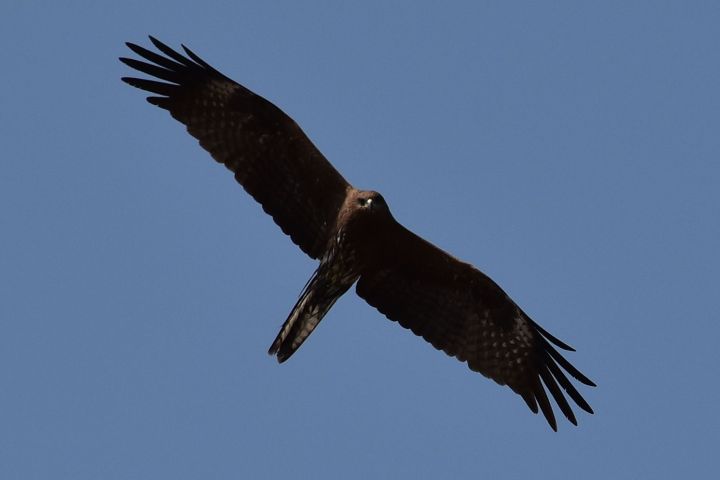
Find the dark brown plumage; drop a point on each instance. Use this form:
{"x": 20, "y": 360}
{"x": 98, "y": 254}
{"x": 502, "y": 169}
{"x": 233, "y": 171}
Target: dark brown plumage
{"x": 449, "y": 303}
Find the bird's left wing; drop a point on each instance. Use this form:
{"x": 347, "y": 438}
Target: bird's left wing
{"x": 463, "y": 312}
{"x": 270, "y": 155}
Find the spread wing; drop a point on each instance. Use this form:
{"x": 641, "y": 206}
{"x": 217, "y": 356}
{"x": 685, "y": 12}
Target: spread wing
{"x": 463, "y": 312}
{"x": 269, "y": 154}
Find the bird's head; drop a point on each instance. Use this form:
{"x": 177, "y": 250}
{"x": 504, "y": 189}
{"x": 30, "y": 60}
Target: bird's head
{"x": 370, "y": 200}
{"x": 365, "y": 206}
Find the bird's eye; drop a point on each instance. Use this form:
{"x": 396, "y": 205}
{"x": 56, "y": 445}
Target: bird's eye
{"x": 362, "y": 201}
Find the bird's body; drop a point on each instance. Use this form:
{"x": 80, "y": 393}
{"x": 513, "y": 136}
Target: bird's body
{"x": 352, "y": 233}
{"x": 351, "y": 249}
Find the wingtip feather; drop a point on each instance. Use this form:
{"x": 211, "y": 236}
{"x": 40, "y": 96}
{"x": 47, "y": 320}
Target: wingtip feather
{"x": 552, "y": 338}
{"x": 560, "y": 399}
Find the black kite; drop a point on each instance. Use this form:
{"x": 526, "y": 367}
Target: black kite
{"x": 352, "y": 233}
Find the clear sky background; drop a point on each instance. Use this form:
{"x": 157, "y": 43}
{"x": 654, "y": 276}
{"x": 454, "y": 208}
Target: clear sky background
{"x": 571, "y": 150}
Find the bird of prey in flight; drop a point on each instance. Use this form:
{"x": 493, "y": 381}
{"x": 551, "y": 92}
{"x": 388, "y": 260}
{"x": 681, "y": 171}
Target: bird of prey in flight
{"x": 353, "y": 235}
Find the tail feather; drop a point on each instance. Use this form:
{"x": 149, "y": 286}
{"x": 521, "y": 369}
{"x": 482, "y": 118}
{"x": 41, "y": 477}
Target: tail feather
{"x": 314, "y": 302}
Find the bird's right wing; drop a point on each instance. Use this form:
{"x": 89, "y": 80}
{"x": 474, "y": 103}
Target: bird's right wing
{"x": 461, "y": 311}
{"x": 268, "y": 152}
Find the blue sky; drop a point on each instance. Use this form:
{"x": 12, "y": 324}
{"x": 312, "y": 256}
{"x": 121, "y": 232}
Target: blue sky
{"x": 570, "y": 151}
